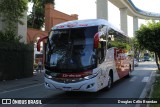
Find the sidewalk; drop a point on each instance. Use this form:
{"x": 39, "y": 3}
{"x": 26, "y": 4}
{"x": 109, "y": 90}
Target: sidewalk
{"x": 37, "y": 78}
{"x": 148, "y": 87}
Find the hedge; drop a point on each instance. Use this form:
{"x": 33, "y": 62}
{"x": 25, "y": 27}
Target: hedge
{"x": 16, "y": 60}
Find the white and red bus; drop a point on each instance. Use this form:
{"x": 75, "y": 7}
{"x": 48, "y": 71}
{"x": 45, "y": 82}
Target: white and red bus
{"x": 85, "y": 55}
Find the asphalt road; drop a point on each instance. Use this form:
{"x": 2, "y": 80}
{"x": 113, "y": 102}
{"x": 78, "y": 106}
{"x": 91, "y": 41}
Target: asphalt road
{"x": 125, "y": 88}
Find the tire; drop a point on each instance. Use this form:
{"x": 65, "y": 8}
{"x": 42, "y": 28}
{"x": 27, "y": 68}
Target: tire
{"x": 110, "y": 81}
{"x": 129, "y": 73}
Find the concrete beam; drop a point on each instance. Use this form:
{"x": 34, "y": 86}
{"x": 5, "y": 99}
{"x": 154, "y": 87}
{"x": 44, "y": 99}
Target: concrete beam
{"x": 134, "y": 11}
{"x": 123, "y": 20}
{"x": 135, "y": 24}
{"x": 102, "y": 9}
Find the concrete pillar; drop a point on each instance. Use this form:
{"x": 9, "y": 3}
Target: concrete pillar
{"x": 22, "y": 29}
{"x": 123, "y": 20}
{"x": 135, "y": 24}
{"x": 102, "y": 9}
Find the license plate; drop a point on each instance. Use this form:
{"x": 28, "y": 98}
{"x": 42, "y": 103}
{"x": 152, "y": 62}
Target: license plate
{"x": 67, "y": 88}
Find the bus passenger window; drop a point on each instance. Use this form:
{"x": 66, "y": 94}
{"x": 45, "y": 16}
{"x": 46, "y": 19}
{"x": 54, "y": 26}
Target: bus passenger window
{"x": 109, "y": 43}
{"x": 101, "y": 51}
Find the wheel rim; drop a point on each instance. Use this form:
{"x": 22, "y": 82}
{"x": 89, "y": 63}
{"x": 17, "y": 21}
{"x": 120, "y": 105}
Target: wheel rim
{"x": 109, "y": 82}
{"x": 129, "y": 73}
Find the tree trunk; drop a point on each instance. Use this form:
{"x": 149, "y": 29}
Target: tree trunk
{"x": 157, "y": 56}
{"x": 138, "y": 55}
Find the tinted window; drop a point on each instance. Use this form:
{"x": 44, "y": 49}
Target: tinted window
{"x": 71, "y": 48}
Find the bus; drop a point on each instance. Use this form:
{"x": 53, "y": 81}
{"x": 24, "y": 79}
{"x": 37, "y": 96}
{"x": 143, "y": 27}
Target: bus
{"x": 146, "y": 56}
{"x": 85, "y": 55}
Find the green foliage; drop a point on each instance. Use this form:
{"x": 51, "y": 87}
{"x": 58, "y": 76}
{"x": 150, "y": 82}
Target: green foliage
{"x": 48, "y": 1}
{"x": 136, "y": 44}
{"x": 156, "y": 92}
{"x": 36, "y": 18}
{"x": 148, "y": 36}
{"x": 35, "y": 65}
{"x": 11, "y": 11}
{"x": 41, "y": 1}
{"x": 120, "y": 45}
{"x": 9, "y": 36}
{"x": 158, "y": 71}
{"x": 137, "y": 48}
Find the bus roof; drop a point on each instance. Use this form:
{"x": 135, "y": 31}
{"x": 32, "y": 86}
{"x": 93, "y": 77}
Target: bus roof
{"x": 85, "y": 23}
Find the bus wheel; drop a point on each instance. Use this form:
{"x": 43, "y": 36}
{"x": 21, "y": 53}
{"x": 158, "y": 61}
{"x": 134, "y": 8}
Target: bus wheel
{"x": 129, "y": 73}
{"x": 109, "y": 82}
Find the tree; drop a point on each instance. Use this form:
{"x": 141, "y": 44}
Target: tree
{"x": 36, "y": 18}
{"x": 148, "y": 37}
{"x": 11, "y": 11}
{"x": 136, "y": 47}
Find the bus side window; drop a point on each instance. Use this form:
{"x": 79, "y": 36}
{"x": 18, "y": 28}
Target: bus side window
{"x": 110, "y": 39}
{"x": 101, "y": 51}
{"x": 109, "y": 43}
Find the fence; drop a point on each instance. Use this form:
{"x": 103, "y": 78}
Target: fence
{"x": 16, "y": 60}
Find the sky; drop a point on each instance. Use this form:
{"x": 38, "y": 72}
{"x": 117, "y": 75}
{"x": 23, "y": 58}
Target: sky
{"x": 86, "y": 9}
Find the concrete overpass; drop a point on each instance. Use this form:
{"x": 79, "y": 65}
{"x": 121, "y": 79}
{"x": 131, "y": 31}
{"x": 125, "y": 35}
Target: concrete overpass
{"x": 126, "y": 7}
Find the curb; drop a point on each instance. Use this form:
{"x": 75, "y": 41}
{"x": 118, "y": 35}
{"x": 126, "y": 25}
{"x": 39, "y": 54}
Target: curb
{"x": 37, "y": 78}
{"x": 152, "y": 89}
{"x": 150, "y": 95}
{"x": 147, "y": 89}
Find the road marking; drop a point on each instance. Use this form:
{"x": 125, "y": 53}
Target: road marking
{"x": 144, "y": 92}
{"x": 146, "y": 79}
{"x": 20, "y": 88}
{"x": 133, "y": 78}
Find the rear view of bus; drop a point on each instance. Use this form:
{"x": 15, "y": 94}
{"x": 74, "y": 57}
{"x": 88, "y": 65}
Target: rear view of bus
{"x": 76, "y": 57}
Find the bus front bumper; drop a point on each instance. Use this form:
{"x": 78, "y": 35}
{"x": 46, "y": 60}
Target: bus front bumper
{"x": 89, "y": 85}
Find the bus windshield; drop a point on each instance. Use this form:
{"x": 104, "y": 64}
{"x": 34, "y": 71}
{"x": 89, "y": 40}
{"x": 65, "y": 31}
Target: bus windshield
{"x": 71, "y": 50}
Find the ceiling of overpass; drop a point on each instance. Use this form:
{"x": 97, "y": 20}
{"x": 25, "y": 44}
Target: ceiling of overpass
{"x": 117, "y": 3}
{"x": 133, "y": 10}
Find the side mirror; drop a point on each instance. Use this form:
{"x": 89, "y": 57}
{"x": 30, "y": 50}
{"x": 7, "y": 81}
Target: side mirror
{"x": 96, "y": 40}
{"x": 40, "y": 40}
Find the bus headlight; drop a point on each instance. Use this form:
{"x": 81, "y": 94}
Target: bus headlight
{"x": 48, "y": 76}
{"x": 91, "y": 76}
